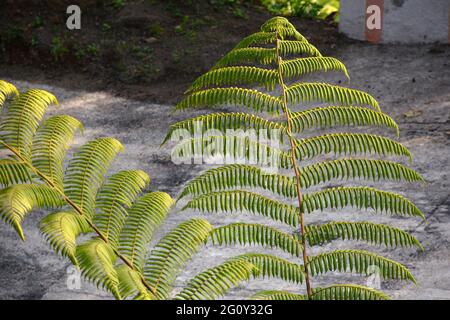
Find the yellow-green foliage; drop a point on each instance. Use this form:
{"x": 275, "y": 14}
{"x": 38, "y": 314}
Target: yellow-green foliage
{"x": 261, "y": 75}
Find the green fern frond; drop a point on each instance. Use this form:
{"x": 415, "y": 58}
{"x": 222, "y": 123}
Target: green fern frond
{"x": 232, "y": 76}
{"x": 256, "y": 234}
{"x": 363, "y": 169}
{"x": 283, "y": 28}
{"x": 237, "y": 175}
{"x": 222, "y": 97}
{"x": 18, "y": 200}
{"x": 216, "y": 281}
{"x": 348, "y": 292}
{"x": 61, "y": 229}
{"x": 273, "y": 267}
{"x": 146, "y": 214}
{"x": 238, "y": 201}
{"x": 264, "y": 56}
{"x": 360, "y": 197}
{"x": 301, "y": 66}
{"x": 96, "y": 259}
{"x": 349, "y": 144}
{"x": 7, "y": 91}
{"x": 233, "y": 148}
{"x": 86, "y": 170}
{"x": 277, "y": 295}
{"x": 289, "y": 47}
{"x": 258, "y": 38}
{"x": 359, "y": 261}
{"x": 226, "y": 121}
{"x": 172, "y": 252}
{"x": 113, "y": 199}
{"x": 22, "y": 119}
{"x": 303, "y": 93}
{"x": 50, "y": 145}
{"x": 327, "y": 117}
{"x": 130, "y": 284}
{"x": 13, "y": 172}
{"x": 379, "y": 234}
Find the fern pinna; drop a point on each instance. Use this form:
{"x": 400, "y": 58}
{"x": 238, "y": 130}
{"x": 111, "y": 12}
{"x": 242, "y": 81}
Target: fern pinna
{"x": 273, "y": 60}
{"x": 117, "y": 215}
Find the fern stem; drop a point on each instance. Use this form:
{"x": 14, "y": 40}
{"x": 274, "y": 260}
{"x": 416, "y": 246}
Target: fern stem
{"x": 79, "y": 210}
{"x": 292, "y": 141}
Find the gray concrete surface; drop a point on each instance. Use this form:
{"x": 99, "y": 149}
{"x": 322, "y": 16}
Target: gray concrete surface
{"x": 405, "y": 21}
{"x": 412, "y": 84}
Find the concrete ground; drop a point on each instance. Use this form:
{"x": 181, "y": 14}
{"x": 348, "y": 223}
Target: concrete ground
{"x": 411, "y": 83}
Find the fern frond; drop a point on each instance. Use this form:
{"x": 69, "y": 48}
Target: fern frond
{"x": 226, "y": 121}
{"x": 303, "y": 93}
{"x": 358, "y": 261}
{"x": 263, "y": 56}
{"x": 256, "y": 234}
{"x": 117, "y": 194}
{"x": 61, "y": 229}
{"x": 172, "y": 252}
{"x": 232, "y": 76}
{"x": 289, "y": 47}
{"x": 18, "y": 200}
{"x": 379, "y": 234}
{"x": 146, "y": 214}
{"x": 363, "y": 169}
{"x": 283, "y": 28}
{"x": 222, "y": 97}
{"x": 86, "y": 170}
{"x": 131, "y": 284}
{"x": 301, "y": 66}
{"x": 277, "y": 295}
{"x": 96, "y": 259}
{"x": 348, "y": 292}
{"x": 360, "y": 197}
{"x": 273, "y": 267}
{"x": 22, "y": 119}
{"x": 238, "y": 200}
{"x": 50, "y": 144}
{"x": 7, "y": 91}
{"x": 233, "y": 148}
{"x": 215, "y": 282}
{"x": 327, "y": 117}
{"x": 349, "y": 144}
{"x": 236, "y": 175}
{"x": 258, "y": 38}
{"x": 13, "y": 172}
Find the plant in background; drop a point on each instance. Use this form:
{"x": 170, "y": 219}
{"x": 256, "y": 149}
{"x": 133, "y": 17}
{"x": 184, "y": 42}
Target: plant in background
{"x": 273, "y": 59}
{"x": 117, "y": 217}
{"x": 320, "y": 9}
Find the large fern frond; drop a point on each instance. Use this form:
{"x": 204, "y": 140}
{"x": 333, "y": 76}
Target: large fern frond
{"x": 301, "y": 66}
{"x": 277, "y": 295}
{"x": 13, "y": 172}
{"x": 130, "y": 284}
{"x": 348, "y": 292}
{"x": 256, "y": 234}
{"x": 239, "y": 200}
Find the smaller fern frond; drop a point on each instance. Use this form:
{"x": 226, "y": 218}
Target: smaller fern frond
{"x": 302, "y": 93}
{"x": 271, "y": 266}
{"x": 301, "y": 66}
{"x": 215, "y": 282}
{"x": 172, "y": 252}
{"x": 7, "y": 91}
{"x": 238, "y": 201}
{"x": 328, "y": 117}
{"x": 263, "y": 56}
{"x": 258, "y": 38}
{"x": 256, "y": 234}
{"x": 130, "y": 284}
{"x": 290, "y": 47}
{"x": 232, "y": 76}
{"x": 379, "y": 234}
{"x": 360, "y": 197}
{"x": 358, "y": 261}
{"x": 96, "y": 259}
{"x": 349, "y": 144}
{"x": 283, "y": 28}
{"x": 61, "y": 229}
{"x": 277, "y": 295}
{"x": 348, "y": 292}
{"x": 18, "y": 200}
{"x": 13, "y": 172}
{"x": 221, "y": 97}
